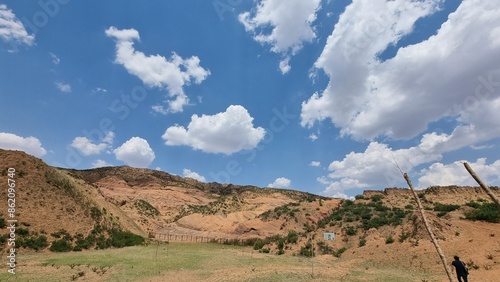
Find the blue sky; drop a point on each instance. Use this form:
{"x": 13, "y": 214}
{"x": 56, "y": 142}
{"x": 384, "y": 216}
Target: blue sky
{"x": 319, "y": 96}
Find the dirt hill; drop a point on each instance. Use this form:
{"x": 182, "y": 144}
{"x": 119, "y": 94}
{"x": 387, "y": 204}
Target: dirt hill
{"x": 378, "y": 226}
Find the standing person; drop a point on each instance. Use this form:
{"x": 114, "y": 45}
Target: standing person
{"x": 460, "y": 268}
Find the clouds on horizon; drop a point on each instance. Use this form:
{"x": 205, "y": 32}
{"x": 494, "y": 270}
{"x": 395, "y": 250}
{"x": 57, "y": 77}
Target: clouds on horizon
{"x": 280, "y": 182}
{"x": 156, "y": 70}
{"x": 194, "y": 175}
{"x": 135, "y": 152}
{"x": 30, "y": 145}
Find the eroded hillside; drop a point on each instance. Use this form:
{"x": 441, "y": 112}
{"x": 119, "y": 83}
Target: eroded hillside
{"x": 378, "y": 226}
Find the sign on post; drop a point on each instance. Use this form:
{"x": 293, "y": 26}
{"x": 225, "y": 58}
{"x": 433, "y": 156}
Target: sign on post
{"x": 329, "y": 236}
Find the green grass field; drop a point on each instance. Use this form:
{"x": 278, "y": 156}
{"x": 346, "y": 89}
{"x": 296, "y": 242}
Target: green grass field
{"x": 196, "y": 262}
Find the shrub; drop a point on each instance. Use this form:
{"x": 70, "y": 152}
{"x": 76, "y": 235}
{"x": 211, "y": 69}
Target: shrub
{"x": 292, "y": 237}
{"x": 3, "y": 222}
{"x": 324, "y": 248}
{"x": 22, "y": 231}
{"x": 403, "y": 236}
{"x": 61, "y": 245}
{"x": 306, "y": 250}
{"x": 259, "y": 243}
{"x": 3, "y": 238}
{"x": 339, "y": 252}
{"x": 145, "y": 208}
{"x": 487, "y": 212}
{"x": 351, "y": 230}
{"x": 362, "y": 242}
{"x": 34, "y": 242}
{"x": 389, "y": 240}
{"x": 120, "y": 239}
{"x": 376, "y": 198}
{"x": 264, "y": 250}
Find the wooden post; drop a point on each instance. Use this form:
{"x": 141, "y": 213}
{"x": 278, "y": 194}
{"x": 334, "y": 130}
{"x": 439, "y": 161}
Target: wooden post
{"x": 428, "y": 228}
{"x": 481, "y": 183}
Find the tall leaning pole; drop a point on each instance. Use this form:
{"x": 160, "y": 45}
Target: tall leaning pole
{"x": 481, "y": 183}
{"x": 428, "y": 228}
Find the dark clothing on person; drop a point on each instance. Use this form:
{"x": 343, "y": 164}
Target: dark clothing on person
{"x": 460, "y": 269}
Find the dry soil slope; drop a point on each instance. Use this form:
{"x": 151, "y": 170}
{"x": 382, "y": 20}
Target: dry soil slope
{"x": 185, "y": 206}
{"x": 49, "y": 200}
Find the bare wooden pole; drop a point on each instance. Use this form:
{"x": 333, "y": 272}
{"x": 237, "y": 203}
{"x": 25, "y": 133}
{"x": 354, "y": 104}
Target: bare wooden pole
{"x": 428, "y": 228}
{"x": 481, "y": 183}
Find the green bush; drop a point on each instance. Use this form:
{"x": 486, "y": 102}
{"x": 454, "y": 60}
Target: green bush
{"x": 145, "y": 208}
{"x": 306, "y": 250}
{"x": 259, "y": 243}
{"x": 120, "y": 239}
{"x": 292, "y": 237}
{"x": 473, "y": 204}
{"x": 443, "y": 209}
{"x": 20, "y": 231}
{"x": 339, "y": 252}
{"x": 3, "y": 223}
{"x": 389, "y": 240}
{"x": 376, "y": 198}
{"x": 351, "y": 230}
{"x": 362, "y": 242}
{"x": 61, "y": 245}
{"x": 264, "y": 250}
{"x": 487, "y": 212}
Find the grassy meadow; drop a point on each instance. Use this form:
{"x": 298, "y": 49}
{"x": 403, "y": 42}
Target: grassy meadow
{"x": 197, "y": 262}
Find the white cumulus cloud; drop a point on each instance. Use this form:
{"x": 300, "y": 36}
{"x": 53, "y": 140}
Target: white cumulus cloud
{"x": 456, "y": 174}
{"x": 12, "y": 29}
{"x": 315, "y": 163}
{"x": 86, "y": 147}
{"x": 30, "y": 145}
{"x": 100, "y": 163}
{"x": 226, "y": 132}
{"x": 284, "y": 24}
{"x": 156, "y": 70}
{"x": 453, "y": 73}
{"x": 280, "y": 182}
{"x": 136, "y": 152}
{"x": 194, "y": 175}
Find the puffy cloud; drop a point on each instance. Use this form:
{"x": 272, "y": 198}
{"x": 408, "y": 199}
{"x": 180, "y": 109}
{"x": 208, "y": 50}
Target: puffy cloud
{"x": 378, "y": 165}
{"x": 30, "y": 145}
{"x": 11, "y": 28}
{"x": 63, "y": 87}
{"x": 315, "y": 164}
{"x": 280, "y": 182}
{"x": 226, "y": 132}
{"x": 135, "y": 152}
{"x": 456, "y": 174}
{"x": 453, "y": 73}
{"x": 100, "y": 163}
{"x": 86, "y": 147}
{"x": 290, "y": 23}
{"x": 158, "y": 71}
{"x": 194, "y": 175}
